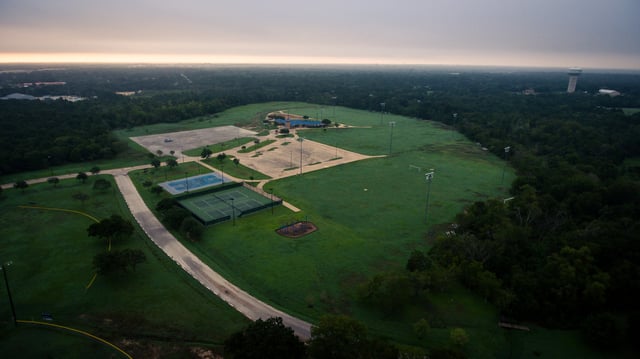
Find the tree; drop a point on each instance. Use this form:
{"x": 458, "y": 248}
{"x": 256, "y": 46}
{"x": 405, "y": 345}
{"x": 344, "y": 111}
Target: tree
{"x": 134, "y": 257}
{"x": 172, "y": 163}
{"x": 388, "y": 292}
{"x": 338, "y": 336}
{"x": 94, "y": 170}
{"x": 192, "y": 228}
{"x": 101, "y": 184}
{"x": 82, "y": 177}
{"x": 118, "y": 261}
{"x": 174, "y": 216}
{"x": 236, "y": 161}
{"x": 155, "y": 163}
{"x": 114, "y": 227}
{"x": 421, "y": 328}
{"x": 459, "y": 337}
{"x": 159, "y": 153}
{"x": 156, "y": 189}
{"x": 206, "y": 152}
{"x": 54, "y": 181}
{"x": 166, "y": 204}
{"x": 21, "y": 185}
{"x": 326, "y": 122}
{"x": 265, "y": 339}
{"x": 221, "y": 157}
{"x": 80, "y": 196}
{"x": 172, "y": 152}
{"x": 417, "y": 261}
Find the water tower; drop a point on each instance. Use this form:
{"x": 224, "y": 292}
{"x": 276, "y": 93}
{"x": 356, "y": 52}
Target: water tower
{"x": 574, "y": 72}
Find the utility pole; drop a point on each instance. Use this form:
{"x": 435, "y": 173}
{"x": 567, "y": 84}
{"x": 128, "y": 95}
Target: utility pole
{"x": 428, "y": 177}
{"x": 6, "y": 282}
{"x": 506, "y": 158}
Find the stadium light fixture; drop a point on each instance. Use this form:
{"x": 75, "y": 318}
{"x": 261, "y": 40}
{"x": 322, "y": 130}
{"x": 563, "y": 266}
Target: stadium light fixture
{"x": 3, "y": 267}
{"x": 233, "y": 211}
{"x": 392, "y": 124}
{"x": 301, "y": 139}
{"x": 506, "y": 158}
{"x": 271, "y": 192}
{"x": 428, "y": 178}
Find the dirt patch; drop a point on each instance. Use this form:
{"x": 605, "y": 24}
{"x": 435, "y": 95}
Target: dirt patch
{"x": 297, "y": 230}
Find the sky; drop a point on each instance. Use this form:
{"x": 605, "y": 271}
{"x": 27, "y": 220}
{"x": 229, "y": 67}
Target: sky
{"x": 539, "y": 33}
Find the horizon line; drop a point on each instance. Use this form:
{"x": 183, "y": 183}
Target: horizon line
{"x": 244, "y": 60}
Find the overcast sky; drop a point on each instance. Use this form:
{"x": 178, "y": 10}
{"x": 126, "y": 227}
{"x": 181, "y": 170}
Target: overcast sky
{"x": 558, "y": 33}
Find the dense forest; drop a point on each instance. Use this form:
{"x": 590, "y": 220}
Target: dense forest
{"x": 563, "y": 252}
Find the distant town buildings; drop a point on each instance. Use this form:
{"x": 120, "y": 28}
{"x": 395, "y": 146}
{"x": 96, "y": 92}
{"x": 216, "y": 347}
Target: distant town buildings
{"x": 612, "y": 93}
{"x": 20, "y": 96}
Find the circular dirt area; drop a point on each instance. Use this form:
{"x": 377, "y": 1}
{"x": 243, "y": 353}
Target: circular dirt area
{"x": 297, "y": 229}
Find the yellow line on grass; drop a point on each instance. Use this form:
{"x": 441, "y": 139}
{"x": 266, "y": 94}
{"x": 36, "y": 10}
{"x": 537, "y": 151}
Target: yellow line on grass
{"x": 92, "y": 280}
{"x": 70, "y": 211}
{"x": 76, "y": 331}
{"x": 63, "y": 210}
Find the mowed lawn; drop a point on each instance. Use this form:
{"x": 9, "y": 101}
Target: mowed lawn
{"x": 51, "y": 268}
{"x": 370, "y": 215}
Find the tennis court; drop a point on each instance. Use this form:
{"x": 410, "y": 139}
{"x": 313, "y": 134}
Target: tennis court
{"x": 222, "y": 204}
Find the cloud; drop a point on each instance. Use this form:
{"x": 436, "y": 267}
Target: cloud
{"x": 410, "y": 29}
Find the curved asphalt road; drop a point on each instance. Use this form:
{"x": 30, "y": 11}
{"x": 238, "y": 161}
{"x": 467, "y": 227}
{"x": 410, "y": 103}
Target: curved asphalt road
{"x": 242, "y": 301}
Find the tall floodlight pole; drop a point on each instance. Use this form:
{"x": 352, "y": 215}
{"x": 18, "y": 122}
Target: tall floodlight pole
{"x": 506, "y": 157}
{"x": 382, "y": 105}
{"x": 271, "y": 192}
{"x": 301, "y": 139}
{"x": 233, "y": 211}
{"x": 428, "y": 177}
{"x": 392, "y": 124}
{"x": 186, "y": 180}
{"x": 335, "y": 99}
{"x": 6, "y": 282}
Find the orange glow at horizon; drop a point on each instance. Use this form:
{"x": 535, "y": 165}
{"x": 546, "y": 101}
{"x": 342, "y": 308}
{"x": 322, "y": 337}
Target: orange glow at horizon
{"x": 451, "y": 58}
{"x": 177, "y": 59}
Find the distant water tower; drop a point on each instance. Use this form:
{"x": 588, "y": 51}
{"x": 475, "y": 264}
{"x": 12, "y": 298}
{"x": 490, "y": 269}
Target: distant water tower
{"x": 574, "y": 72}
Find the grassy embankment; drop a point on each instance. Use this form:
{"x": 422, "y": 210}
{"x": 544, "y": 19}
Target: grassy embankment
{"x": 52, "y": 267}
{"x": 361, "y": 232}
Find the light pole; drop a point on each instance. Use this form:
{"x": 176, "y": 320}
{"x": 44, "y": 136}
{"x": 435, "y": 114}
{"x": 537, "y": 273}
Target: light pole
{"x": 233, "y": 211}
{"x": 428, "y": 177}
{"x": 186, "y": 181}
{"x": 271, "y": 192}
{"x": 301, "y": 139}
{"x": 222, "y": 171}
{"x": 6, "y": 282}
{"x": 392, "y": 124}
{"x": 335, "y": 99}
{"x": 506, "y": 157}
{"x": 382, "y": 105}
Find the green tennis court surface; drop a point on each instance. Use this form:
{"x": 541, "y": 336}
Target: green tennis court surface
{"x": 221, "y": 204}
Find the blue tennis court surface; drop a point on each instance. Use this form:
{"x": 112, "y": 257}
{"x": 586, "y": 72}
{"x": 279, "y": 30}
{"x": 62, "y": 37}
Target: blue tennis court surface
{"x": 192, "y": 183}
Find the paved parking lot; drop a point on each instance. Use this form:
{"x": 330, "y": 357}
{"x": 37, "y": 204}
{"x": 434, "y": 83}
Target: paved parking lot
{"x": 186, "y": 140}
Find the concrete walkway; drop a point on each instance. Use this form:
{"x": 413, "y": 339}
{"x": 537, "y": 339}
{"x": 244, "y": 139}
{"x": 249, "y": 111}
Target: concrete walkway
{"x": 242, "y": 301}
{"x": 269, "y": 164}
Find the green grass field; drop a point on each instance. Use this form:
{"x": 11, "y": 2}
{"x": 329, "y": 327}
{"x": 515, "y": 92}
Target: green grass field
{"x": 52, "y": 265}
{"x": 369, "y": 215}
